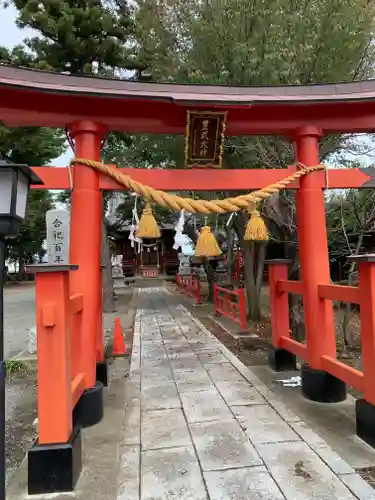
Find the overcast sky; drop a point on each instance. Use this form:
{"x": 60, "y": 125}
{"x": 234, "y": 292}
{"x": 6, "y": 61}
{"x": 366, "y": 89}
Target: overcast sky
{"x": 10, "y": 36}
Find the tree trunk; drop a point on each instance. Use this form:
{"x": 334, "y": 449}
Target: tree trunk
{"x": 296, "y": 316}
{"x": 210, "y": 273}
{"x": 261, "y": 257}
{"x": 231, "y": 261}
{"x": 250, "y": 278}
{"x": 253, "y": 306}
{"x": 21, "y": 268}
{"x": 348, "y": 339}
{"x": 108, "y": 292}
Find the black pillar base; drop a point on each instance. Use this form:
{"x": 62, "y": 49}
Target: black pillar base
{"x": 320, "y": 386}
{"x": 365, "y": 421}
{"x": 102, "y": 373}
{"x": 89, "y": 409}
{"x": 54, "y": 468}
{"x": 281, "y": 360}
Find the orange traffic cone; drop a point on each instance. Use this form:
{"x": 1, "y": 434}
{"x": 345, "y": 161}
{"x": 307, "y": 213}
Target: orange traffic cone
{"x": 119, "y": 346}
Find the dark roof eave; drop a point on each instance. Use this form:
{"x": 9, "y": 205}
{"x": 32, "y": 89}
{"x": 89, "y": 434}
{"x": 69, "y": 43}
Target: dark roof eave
{"x": 42, "y": 81}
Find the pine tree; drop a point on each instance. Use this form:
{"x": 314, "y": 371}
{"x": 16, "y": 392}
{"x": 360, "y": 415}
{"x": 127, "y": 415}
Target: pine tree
{"x": 82, "y": 37}
{"x": 90, "y": 36}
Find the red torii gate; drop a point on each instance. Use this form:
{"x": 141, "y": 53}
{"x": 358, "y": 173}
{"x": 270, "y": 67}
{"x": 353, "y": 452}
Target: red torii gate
{"x": 71, "y": 366}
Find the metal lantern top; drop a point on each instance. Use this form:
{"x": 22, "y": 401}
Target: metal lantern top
{"x": 15, "y": 180}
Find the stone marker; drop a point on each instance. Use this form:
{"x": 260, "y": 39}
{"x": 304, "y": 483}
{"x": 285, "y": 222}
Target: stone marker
{"x": 58, "y": 229}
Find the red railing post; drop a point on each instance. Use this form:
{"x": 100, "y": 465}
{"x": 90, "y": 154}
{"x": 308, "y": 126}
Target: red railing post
{"x": 190, "y": 285}
{"x": 55, "y": 369}
{"x": 278, "y": 270}
{"x": 232, "y": 304}
{"x": 365, "y": 408}
{"x": 279, "y": 359}
{"x": 54, "y": 356}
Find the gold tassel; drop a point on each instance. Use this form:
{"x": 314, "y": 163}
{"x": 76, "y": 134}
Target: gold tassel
{"x": 256, "y": 229}
{"x": 148, "y": 227}
{"x": 207, "y": 245}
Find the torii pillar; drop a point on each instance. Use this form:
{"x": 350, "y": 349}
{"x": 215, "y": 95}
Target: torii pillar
{"x": 317, "y": 384}
{"x": 85, "y": 237}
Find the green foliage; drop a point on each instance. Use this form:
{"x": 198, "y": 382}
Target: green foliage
{"x": 18, "y": 56}
{"x": 33, "y": 231}
{"x": 79, "y": 36}
{"x": 253, "y": 42}
{"x": 14, "y": 367}
{"x": 257, "y": 42}
{"x": 32, "y": 146}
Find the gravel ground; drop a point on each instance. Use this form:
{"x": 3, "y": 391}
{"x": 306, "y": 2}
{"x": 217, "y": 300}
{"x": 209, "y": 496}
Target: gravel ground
{"x": 19, "y": 317}
{"x": 21, "y": 411}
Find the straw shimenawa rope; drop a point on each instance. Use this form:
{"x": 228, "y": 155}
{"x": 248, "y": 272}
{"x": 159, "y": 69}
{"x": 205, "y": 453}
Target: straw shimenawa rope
{"x": 178, "y": 203}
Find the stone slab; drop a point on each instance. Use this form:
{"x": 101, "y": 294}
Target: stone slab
{"x": 333, "y": 460}
{"x": 171, "y": 474}
{"x": 132, "y": 425}
{"x": 263, "y": 425}
{"x": 177, "y": 348}
{"x": 359, "y": 487}
{"x": 223, "y": 372}
{"x": 187, "y": 355}
{"x": 190, "y": 362}
{"x": 250, "y": 483}
{"x": 239, "y": 393}
{"x": 301, "y": 474}
{"x": 209, "y": 357}
{"x": 223, "y": 445}
{"x": 330, "y": 457}
{"x": 152, "y": 347}
{"x": 193, "y": 382}
{"x": 233, "y": 418}
{"x": 129, "y": 477}
{"x": 153, "y": 354}
{"x": 203, "y": 345}
{"x": 151, "y": 337}
{"x": 160, "y": 396}
{"x": 204, "y": 406}
{"x": 164, "y": 428}
{"x": 162, "y": 364}
{"x": 152, "y": 374}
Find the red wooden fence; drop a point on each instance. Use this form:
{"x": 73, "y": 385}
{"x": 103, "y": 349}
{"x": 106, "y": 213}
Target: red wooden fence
{"x": 61, "y": 353}
{"x": 325, "y": 358}
{"x": 190, "y": 285}
{"x": 231, "y": 303}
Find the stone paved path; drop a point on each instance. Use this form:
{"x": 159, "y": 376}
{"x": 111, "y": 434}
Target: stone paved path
{"x": 201, "y": 426}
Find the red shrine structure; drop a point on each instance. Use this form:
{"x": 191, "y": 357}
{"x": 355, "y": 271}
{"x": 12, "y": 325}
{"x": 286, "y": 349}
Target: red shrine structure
{"x": 71, "y": 364}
